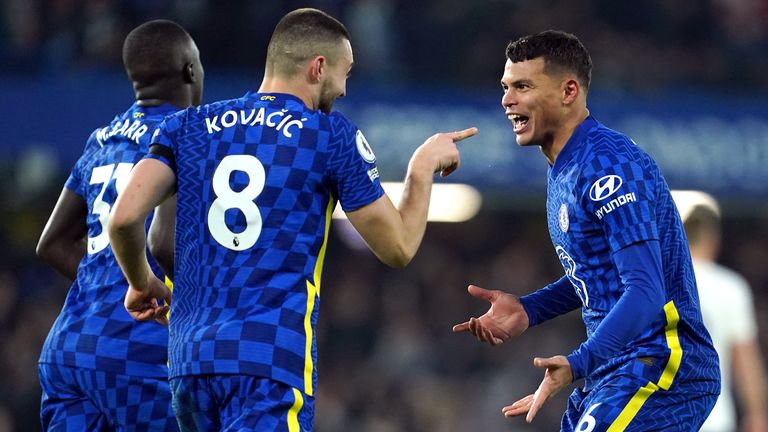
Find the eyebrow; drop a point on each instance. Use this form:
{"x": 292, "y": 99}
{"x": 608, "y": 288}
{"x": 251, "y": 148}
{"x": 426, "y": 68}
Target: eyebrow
{"x": 517, "y": 81}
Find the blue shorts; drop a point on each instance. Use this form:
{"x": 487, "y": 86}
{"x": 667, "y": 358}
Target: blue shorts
{"x": 240, "y": 403}
{"x": 626, "y": 402}
{"x": 76, "y": 399}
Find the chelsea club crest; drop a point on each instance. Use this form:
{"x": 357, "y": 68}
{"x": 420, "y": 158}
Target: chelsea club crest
{"x": 562, "y": 217}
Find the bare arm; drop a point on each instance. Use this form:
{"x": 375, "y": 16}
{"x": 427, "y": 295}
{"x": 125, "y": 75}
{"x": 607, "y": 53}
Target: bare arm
{"x": 161, "y": 236}
{"x": 151, "y": 181}
{"x": 394, "y": 234}
{"x": 63, "y": 241}
{"x": 750, "y": 380}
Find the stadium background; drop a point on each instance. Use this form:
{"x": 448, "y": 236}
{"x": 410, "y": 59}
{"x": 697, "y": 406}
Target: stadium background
{"x": 684, "y": 78}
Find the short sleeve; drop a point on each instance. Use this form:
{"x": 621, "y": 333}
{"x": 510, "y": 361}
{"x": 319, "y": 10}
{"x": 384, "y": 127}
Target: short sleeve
{"x": 164, "y": 142}
{"x": 352, "y": 165}
{"x": 620, "y": 194}
{"x": 76, "y": 181}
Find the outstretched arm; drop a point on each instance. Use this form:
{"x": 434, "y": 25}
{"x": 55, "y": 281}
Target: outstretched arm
{"x": 151, "y": 182}
{"x": 62, "y": 243}
{"x": 509, "y": 316}
{"x": 504, "y": 320}
{"x": 640, "y": 268}
{"x": 395, "y": 233}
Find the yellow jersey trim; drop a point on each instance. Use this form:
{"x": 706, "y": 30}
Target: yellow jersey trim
{"x": 313, "y": 290}
{"x": 169, "y": 284}
{"x": 293, "y": 413}
{"x": 665, "y": 381}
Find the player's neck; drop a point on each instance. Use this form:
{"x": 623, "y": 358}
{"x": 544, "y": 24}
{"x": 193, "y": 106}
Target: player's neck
{"x": 552, "y": 149}
{"x": 288, "y": 86}
{"x": 154, "y": 96}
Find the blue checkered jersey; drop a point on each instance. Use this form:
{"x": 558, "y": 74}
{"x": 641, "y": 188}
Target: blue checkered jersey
{"x": 258, "y": 178}
{"x": 604, "y": 193}
{"x": 93, "y": 329}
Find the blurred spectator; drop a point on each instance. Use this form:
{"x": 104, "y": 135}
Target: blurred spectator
{"x": 691, "y": 42}
{"x": 728, "y": 310}
{"x": 388, "y": 358}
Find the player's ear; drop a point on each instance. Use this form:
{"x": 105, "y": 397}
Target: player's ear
{"x": 317, "y": 69}
{"x": 571, "y": 90}
{"x": 190, "y": 77}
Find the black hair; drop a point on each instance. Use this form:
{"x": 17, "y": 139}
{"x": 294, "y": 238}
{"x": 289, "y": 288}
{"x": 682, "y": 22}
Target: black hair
{"x": 156, "y": 50}
{"x": 561, "y": 52}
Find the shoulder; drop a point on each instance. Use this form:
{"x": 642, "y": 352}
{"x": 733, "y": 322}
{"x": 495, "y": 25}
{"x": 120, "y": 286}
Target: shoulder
{"x": 96, "y": 138}
{"x": 604, "y": 141}
{"x": 608, "y": 151}
{"x": 340, "y": 121}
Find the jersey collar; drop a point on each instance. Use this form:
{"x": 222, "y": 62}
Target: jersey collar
{"x": 277, "y": 96}
{"x": 153, "y": 110}
{"x": 572, "y": 145}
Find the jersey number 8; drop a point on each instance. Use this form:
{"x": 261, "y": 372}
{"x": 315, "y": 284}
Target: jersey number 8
{"x": 243, "y": 200}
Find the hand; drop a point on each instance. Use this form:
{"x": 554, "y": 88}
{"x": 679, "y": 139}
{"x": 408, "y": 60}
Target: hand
{"x": 556, "y": 377}
{"x": 440, "y": 151}
{"x": 504, "y": 320}
{"x": 142, "y": 304}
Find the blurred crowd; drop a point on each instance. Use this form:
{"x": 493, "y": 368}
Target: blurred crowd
{"x": 645, "y": 45}
{"x": 388, "y": 360}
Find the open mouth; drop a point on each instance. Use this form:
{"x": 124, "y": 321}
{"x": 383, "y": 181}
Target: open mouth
{"x": 519, "y": 122}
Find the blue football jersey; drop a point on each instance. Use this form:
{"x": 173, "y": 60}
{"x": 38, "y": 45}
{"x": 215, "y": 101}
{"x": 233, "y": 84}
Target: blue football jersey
{"x": 93, "y": 329}
{"x": 258, "y": 178}
{"x": 603, "y": 194}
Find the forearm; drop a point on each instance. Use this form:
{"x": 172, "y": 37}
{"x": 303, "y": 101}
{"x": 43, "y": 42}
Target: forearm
{"x": 749, "y": 375}
{"x": 553, "y": 300}
{"x": 414, "y": 207}
{"x": 150, "y": 183}
{"x": 128, "y": 241}
{"x": 643, "y": 298}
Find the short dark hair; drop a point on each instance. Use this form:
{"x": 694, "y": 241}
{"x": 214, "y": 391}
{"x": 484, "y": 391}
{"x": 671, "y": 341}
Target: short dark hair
{"x": 561, "y": 52}
{"x": 299, "y": 36}
{"x": 701, "y": 220}
{"x": 156, "y": 50}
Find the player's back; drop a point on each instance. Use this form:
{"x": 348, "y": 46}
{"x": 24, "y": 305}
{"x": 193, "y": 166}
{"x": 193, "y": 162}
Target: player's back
{"x": 94, "y": 330}
{"x": 605, "y": 194}
{"x": 258, "y": 178}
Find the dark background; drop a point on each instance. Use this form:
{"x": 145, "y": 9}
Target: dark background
{"x": 684, "y": 78}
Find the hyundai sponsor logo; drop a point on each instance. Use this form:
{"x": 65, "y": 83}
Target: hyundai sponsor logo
{"x": 604, "y": 187}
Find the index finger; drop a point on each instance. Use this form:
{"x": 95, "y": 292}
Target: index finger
{"x": 539, "y": 397}
{"x": 461, "y": 327}
{"x": 460, "y": 135}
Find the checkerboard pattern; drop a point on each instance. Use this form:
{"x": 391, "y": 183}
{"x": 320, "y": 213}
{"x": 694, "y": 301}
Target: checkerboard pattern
{"x": 76, "y": 399}
{"x": 93, "y": 330}
{"x": 240, "y": 403}
{"x": 252, "y": 310}
{"x": 586, "y": 242}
